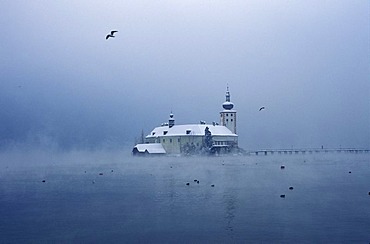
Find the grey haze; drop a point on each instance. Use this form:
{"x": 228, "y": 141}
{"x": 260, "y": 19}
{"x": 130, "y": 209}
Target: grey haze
{"x": 63, "y": 85}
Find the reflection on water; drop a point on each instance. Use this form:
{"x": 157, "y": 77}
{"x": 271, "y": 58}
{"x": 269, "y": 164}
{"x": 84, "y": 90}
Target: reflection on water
{"x": 229, "y": 202}
{"x": 115, "y": 198}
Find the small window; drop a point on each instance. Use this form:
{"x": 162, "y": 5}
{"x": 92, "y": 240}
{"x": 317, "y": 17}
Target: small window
{"x": 231, "y": 115}
{"x": 170, "y": 140}
{"x": 227, "y": 114}
{"x": 231, "y": 120}
{"x": 227, "y": 120}
{"x": 153, "y": 133}
{"x": 165, "y": 132}
{"x": 164, "y": 140}
{"x": 178, "y": 139}
{"x": 188, "y": 132}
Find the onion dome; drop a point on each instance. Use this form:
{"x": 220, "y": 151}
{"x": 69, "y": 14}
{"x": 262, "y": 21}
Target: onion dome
{"x": 228, "y": 105}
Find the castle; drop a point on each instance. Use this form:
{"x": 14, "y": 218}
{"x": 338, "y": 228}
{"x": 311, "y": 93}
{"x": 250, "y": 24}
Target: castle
{"x": 186, "y": 139}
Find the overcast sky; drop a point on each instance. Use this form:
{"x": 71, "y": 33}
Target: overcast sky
{"x": 63, "y": 84}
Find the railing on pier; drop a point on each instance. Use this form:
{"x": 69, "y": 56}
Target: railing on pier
{"x": 307, "y": 151}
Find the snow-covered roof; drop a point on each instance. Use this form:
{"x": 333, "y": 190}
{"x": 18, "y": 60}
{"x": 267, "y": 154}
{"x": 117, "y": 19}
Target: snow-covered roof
{"x": 190, "y": 129}
{"x": 151, "y": 148}
{"x": 229, "y": 110}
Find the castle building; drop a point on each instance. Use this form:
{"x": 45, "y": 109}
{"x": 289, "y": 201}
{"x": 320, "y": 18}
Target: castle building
{"x": 170, "y": 138}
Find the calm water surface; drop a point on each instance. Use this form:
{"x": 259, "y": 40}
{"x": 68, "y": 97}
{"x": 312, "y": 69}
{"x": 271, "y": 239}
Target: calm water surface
{"x": 113, "y": 197}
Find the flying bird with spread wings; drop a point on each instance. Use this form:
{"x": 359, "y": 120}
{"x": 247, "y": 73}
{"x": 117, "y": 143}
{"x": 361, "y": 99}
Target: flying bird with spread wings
{"x": 261, "y": 108}
{"x": 111, "y": 34}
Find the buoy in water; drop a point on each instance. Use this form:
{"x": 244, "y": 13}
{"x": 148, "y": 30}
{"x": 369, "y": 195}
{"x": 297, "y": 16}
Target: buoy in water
{"x": 282, "y": 167}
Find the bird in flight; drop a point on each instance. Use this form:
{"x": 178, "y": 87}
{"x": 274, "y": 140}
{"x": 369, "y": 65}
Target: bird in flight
{"x": 111, "y": 34}
{"x": 261, "y": 108}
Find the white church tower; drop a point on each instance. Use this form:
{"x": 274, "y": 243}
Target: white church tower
{"x": 228, "y": 115}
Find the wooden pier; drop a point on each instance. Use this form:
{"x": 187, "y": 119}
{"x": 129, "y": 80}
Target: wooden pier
{"x": 307, "y": 151}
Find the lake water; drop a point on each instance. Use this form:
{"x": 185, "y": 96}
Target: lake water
{"x": 116, "y": 198}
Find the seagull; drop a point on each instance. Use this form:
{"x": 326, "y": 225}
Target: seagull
{"x": 261, "y": 108}
{"x": 111, "y": 34}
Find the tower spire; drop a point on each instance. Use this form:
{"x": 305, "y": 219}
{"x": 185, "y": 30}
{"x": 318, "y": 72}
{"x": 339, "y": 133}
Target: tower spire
{"x": 227, "y": 94}
{"x": 227, "y": 105}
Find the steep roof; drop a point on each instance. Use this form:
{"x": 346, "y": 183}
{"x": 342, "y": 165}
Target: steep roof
{"x": 190, "y": 129}
{"x": 152, "y": 148}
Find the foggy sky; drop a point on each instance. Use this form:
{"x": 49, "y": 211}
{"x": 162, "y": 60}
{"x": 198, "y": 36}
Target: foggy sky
{"x": 63, "y": 85}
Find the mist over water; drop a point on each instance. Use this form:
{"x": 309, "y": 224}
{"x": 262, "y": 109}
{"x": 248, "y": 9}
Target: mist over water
{"x": 110, "y": 196}
{"x": 73, "y": 104}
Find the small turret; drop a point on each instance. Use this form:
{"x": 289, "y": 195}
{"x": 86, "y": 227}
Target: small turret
{"x": 171, "y": 121}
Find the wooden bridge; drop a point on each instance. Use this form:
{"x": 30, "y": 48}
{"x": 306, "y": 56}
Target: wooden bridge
{"x": 307, "y": 151}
